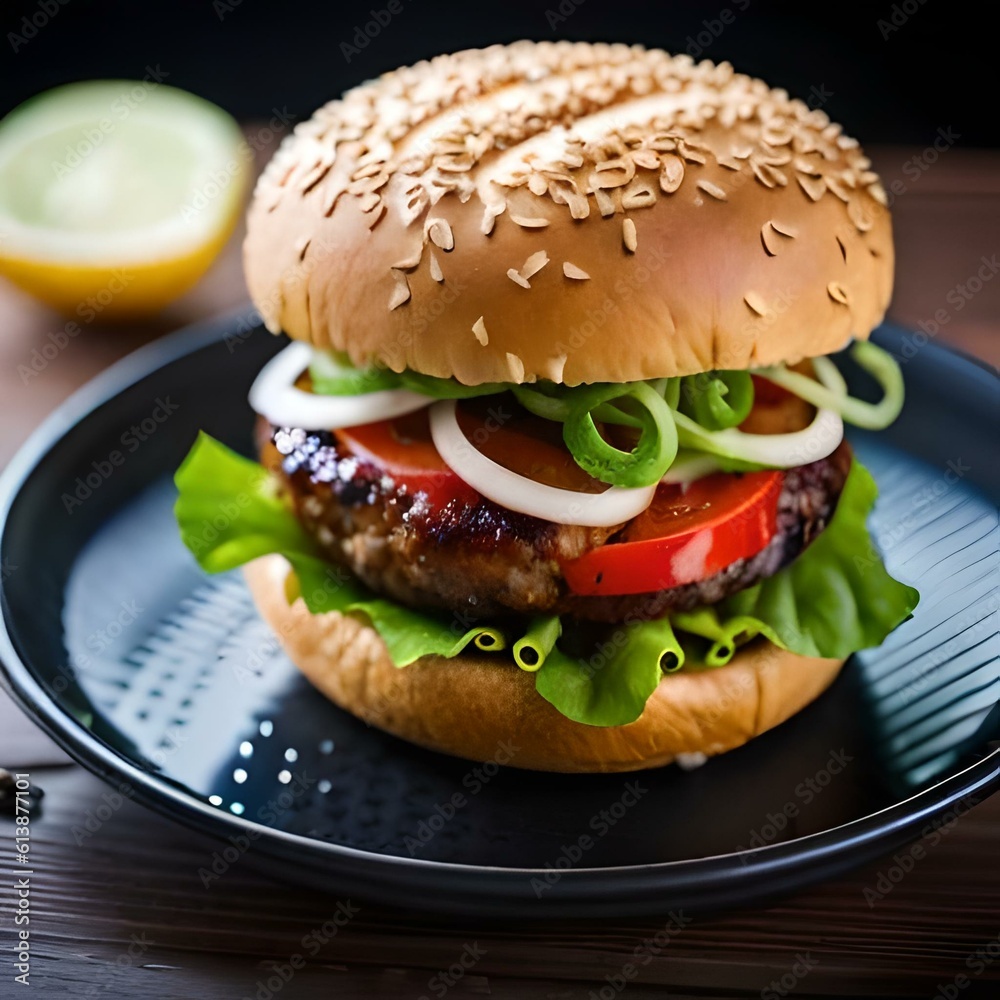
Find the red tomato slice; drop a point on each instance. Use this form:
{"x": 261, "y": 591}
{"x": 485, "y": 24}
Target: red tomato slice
{"x": 525, "y": 444}
{"x": 404, "y": 449}
{"x": 684, "y": 536}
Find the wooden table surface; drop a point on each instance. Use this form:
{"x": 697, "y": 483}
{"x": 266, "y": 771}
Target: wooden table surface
{"x": 121, "y": 912}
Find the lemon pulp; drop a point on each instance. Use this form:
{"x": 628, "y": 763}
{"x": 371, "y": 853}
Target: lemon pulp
{"x": 116, "y": 192}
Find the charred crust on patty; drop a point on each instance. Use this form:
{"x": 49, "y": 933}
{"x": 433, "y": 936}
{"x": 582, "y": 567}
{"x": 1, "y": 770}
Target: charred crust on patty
{"x": 472, "y": 555}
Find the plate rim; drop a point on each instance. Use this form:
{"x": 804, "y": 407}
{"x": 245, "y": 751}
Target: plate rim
{"x": 623, "y": 888}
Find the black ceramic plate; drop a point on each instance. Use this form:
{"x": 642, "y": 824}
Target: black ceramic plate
{"x": 151, "y": 673}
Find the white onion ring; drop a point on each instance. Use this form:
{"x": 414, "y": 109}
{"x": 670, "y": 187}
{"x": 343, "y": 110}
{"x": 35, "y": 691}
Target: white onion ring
{"x": 785, "y": 451}
{"x": 690, "y": 468}
{"x": 598, "y": 510}
{"x": 274, "y": 396}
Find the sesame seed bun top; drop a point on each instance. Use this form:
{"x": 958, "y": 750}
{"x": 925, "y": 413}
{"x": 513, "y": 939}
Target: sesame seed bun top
{"x": 571, "y": 212}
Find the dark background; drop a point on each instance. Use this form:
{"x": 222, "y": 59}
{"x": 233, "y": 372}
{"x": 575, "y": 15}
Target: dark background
{"x": 889, "y": 83}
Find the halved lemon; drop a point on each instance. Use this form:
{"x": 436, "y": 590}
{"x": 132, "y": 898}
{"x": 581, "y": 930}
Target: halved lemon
{"x": 117, "y": 195}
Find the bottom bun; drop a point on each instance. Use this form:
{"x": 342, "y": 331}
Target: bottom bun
{"x": 482, "y": 707}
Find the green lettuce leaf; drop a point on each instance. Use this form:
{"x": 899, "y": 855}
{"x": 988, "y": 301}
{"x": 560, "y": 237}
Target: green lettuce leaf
{"x": 836, "y": 598}
{"x": 611, "y": 686}
{"x": 229, "y": 513}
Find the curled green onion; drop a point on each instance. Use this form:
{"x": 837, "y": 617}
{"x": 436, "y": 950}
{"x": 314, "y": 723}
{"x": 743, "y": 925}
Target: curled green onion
{"x": 552, "y": 406}
{"x": 490, "y": 640}
{"x": 672, "y": 392}
{"x": 447, "y": 388}
{"x": 878, "y": 363}
{"x": 656, "y": 641}
{"x": 717, "y": 399}
{"x": 540, "y": 403}
{"x": 653, "y": 452}
{"x": 333, "y": 375}
{"x": 725, "y": 636}
{"x": 535, "y": 645}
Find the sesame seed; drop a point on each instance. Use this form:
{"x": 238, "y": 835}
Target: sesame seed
{"x": 516, "y": 366}
{"x": 838, "y": 293}
{"x": 409, "y": 263}
{"x": 878, "y": 193}
{"x": 629, "y": 236}
{"x": 786, "y": 230}
{"x": 671, "y": 173}
{"x": 374, "y": 218}
{"x": 803, "y": 166}
{"x": 813, "y": 186}
{"x": 756, "y": 303}
{"x": 529, "y": 222}
{"x": 436, "y": 269}
{"x": 605, "y": 203}
{"x": 479, "y": 329}
{"x": 535, "y": 263}
{"x": 400, "y": 291}
{"x": 771, "y": 237}
{"x": 490, "y": 216}
{"x": 861, "y": 219}
{"x": 440, "y": 234}
{"x": 765, "y": 232}
{"x": 638, "y": 195}
{"x": 839, "y": 189}
{"x": 711, "y": 189}
{"x": 572, "y": 271}
{"x": 517, "y": 277}
{"x": 351, "y": 146}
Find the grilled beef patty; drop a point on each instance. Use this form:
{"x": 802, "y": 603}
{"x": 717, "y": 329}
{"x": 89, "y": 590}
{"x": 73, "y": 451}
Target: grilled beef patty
{"x": 481, "y": 560}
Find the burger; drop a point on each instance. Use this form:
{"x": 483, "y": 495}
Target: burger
{"x": 555, "y": 458}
